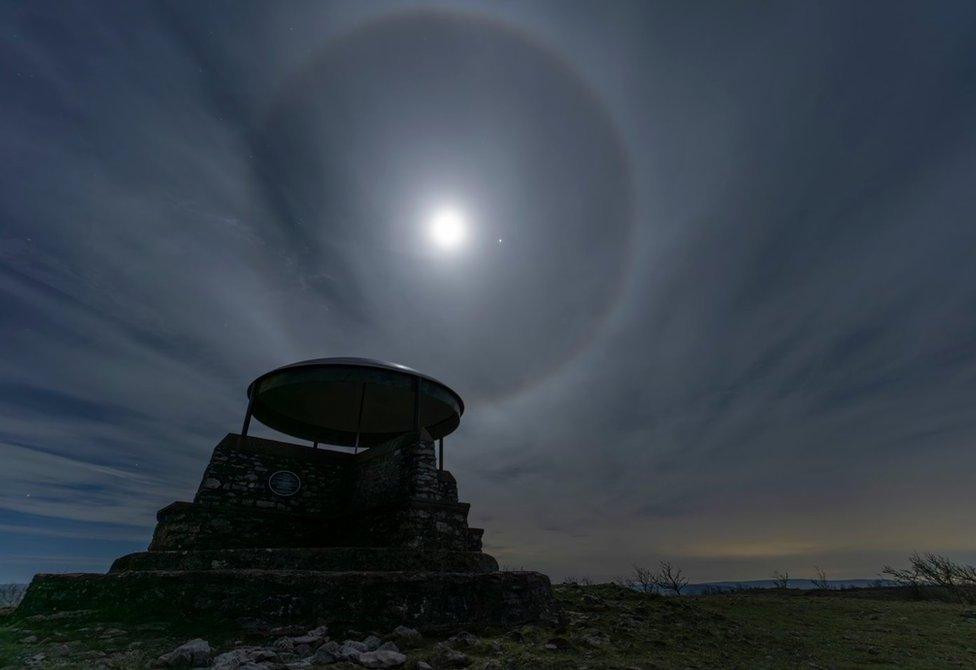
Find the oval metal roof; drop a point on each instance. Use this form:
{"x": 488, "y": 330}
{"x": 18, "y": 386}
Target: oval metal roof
{"x": 334, "y": 400}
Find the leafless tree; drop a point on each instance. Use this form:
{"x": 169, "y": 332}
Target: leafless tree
{"x": 781, "y": 580}
{"x": 665, "y": 578}
{"x": 820, "y": 581}
{"x": 669, "y": 577}
{"x": 642, "y": 579}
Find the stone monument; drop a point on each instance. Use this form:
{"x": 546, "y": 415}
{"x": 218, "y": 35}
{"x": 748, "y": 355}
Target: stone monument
{"x": 282, "y": 532}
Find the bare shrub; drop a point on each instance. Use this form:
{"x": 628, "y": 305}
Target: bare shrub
{"x": 642, "y": 579}
{"x": 820, "y": 581}
{"x": 958, "y": 579}
{"x": 666, "y": 578}
{"x": 781, "y": 580}
{"x": 669, "y": 577}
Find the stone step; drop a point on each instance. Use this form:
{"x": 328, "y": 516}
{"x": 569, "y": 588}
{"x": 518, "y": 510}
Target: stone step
{"x": 423, "y": 600}
{"x": 380, "y": 559}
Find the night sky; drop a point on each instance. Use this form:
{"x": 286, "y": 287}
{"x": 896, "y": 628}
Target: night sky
{"x": 714, "y": 301}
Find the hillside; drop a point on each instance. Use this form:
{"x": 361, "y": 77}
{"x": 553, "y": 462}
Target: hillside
{"x": 602, "y": 626}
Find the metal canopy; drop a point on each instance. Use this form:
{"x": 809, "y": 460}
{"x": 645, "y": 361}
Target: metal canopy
{"x": 355, "y": 402}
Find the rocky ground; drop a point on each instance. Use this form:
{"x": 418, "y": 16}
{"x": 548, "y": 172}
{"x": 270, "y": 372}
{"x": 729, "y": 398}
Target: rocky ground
{"x": 601, "y": 626}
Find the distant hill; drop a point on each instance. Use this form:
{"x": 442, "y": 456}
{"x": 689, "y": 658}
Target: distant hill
{"x": 803, "y": 584}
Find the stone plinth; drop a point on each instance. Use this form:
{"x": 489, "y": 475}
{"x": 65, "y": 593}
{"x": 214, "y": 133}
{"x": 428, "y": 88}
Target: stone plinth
{"x": 329, "y": 559}
{"x": 423, "y": 600}
{"x": 376, "y": 537}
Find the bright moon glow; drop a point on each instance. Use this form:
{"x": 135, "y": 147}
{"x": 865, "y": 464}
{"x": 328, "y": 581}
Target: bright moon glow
{"x": 447, "y": 228}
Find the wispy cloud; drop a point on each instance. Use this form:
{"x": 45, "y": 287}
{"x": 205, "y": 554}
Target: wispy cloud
{"x": 732, "y": 320}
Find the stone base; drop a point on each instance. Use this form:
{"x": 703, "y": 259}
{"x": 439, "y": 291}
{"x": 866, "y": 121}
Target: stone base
{"x": 423, "y": 600}
{"x": 327, "y": 559}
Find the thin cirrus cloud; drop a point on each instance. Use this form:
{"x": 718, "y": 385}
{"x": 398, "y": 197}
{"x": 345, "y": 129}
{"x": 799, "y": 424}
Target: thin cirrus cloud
{"x": 731, "y": 323}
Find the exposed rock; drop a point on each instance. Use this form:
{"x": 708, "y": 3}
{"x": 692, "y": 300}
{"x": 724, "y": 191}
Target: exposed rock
{"x": 372, "y": 643}
{"x": 451, "y": 658}
{"x": 424, "y": 665}
{"x": 593, "y": 602}
{"x": 330, "y": 652}
{"x": 558, "y": 644}
{"x": 381, "y": 658}
{"x": 242, "y": 656}
{"x": 388, "y": 646}
{"x": 91, "y": 655}
{"x": 231, "y": 660}
{"x": 320, "y": 633}
{"x": 463, "y": 640}
{"x": 195, "y": 653}
{"x": 595, "y": 641}
{"x": 253, "y": 624}
{"x": 350, "y": 650}
{"x": 406, "y": 634}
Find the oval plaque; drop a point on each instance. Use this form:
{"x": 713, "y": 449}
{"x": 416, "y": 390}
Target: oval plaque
{"x": 284, "y": 483}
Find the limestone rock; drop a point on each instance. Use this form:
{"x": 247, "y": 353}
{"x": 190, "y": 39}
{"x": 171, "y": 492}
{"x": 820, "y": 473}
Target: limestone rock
{"x": 463, "y": 640}
{"x": 243, "y": 657}
{"x": 558, "y": 644}
{"x": 451, "y": 658}
{"x": 381, "y": 658}
{"x": 350, "y": 650}
{"x": 595, "y": 641}
{"x": 407, "y": 634}
{"x": 231, "y": 660}
{"x": 318, "y": 634}
{"x": 330, "y": 652}
{"x": 196, "y": 653}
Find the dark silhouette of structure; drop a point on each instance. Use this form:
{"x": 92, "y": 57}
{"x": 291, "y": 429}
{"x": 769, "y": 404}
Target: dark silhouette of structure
{"x": 286, "y": 531}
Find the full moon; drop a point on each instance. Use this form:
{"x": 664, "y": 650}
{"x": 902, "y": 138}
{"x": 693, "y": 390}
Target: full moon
{"x": 447, "y": 228}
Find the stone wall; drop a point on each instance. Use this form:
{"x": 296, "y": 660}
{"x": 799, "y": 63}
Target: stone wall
{"x": 238, "y": 472}
{"x": 391, "y": 495}
{"x": 333, "y": 482}
{"x": 401, "y": 468}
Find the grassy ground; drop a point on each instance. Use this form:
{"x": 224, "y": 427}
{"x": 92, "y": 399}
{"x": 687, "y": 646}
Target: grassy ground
{"x": 604, "y": 627}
